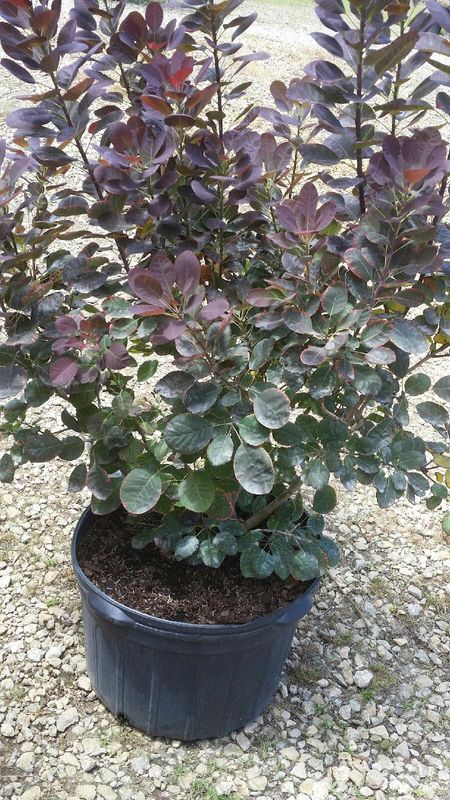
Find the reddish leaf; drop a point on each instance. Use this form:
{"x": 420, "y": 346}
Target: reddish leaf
{"x": 116, "y": 357}
{"x": 214, "y": 310}
{"x": 63, "y": 371}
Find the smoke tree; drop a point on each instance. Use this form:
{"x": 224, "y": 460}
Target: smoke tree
{"x": 288, "y": 262}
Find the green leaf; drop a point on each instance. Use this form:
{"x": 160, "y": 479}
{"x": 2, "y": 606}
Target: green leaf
{"x": 417, "y": 384}
{"x": 315, "y": 524}
{"x": 99, "y": 482}
{"x": 256, "y": 563}
{"x": 408, "y": 337}
{"x": 272, "y": 408}
{"x": 304, "y": 566}
{"x": 41, "y": 447}
{"x": 6, "y": 468}
{"x": 331, "y": 550}
{"x": 36, "y": 394}
{"x": 366, "y": 380}
{"x": 281, "y": 554}
{"x": 77, "y": 479}
{"x": 446, "y": 523}
{"x": 226, "y": 543}
{"x": 140, "y": 490}
{"x": 316, "y": 474}
{"x": 187, "y": 433}
{"x": 186, "y": 547}
{"x": 324, "y": 500}
{"x": 147, "y": 370}
{"x": 211, "y": 556}
{"x": 261, "y": 353}
{"x": 433, "y": 413}
{"x": 174, "y": 384}
{"x": 334, "y": 299}
{"x": 323, "y": 382}
{"x": 102, "y": 507}
{"x": 71, "y": 448}
{"x": 196, "y": 492}
{"x": 252, "y": 432}
{"x": 220, "y": 450}
{"x": 442, "y": 388}
{"x": 201, "y": 396}
{"x": 122, "y": 328}
{"x": 122, "y": 404}
{"x": 254, "y": 469}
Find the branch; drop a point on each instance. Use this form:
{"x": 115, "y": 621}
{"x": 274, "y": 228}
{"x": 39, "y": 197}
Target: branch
{"x": 433, "y": 354}
{"x": 358, "y": 113}
{"x": 265, "y": 512}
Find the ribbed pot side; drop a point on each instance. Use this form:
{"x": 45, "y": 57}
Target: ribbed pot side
{"x": 180, "y": 680}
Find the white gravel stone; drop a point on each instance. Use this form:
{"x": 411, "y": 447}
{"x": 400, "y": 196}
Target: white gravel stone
{"x": 344, "y": 737}
{"x": 5, "y": 580}
{"x": 7, "y": 730}
{"x": 316, "y": 790}
{"x": 33, "y": 793}
{"x": 374, "y": 779}
{"x": 258, "y": 783}
{"x": 291, "y": 753}
{"x": 25, "y": 762}
{"x": 363, "y": 678}
{"x": 402, "y": 750}
{"x": 243, "y": 742}
{"x": 68, "y": 718}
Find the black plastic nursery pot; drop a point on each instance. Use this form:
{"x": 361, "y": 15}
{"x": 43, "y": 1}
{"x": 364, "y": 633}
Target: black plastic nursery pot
{"x": 179, "y": 680}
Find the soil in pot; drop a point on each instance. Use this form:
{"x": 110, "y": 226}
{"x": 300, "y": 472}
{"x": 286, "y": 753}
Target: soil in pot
{"x": 153, "y": 582}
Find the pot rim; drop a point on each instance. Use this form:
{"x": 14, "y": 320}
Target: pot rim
{"x": 149, "y": 620}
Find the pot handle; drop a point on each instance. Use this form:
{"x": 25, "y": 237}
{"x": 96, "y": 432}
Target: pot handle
{"x": 296, "y": 611}
{"x": 108, "y": 611}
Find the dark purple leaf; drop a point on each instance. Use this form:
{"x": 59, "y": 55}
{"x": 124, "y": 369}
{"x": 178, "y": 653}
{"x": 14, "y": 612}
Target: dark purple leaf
{"x": 19, "y": 72}
{"x": 187, "y": 272}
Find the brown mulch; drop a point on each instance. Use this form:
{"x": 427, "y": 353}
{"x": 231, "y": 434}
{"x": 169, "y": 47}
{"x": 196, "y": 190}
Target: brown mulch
{"x": 153, "y": 582}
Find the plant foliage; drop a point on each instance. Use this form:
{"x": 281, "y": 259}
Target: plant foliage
{"x": 288, "y": 263}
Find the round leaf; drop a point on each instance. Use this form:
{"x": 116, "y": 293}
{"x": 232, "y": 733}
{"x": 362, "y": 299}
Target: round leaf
{"x": 211, "y": 555}
{"x": 304, "y": 566}
{"x": 256, "y": 563}
{"x": 417, "y": 384}
{"x": 196, "y": 491}
{"x": 433, "y": 413}
{"x": 220, "y": 450}
{"x": 442, "y": 388}
{"x": 272, "y": 408}
{"x": 334, "y": 299}
{"x": 186, "y": 547}
{"x": 140, "y": 490}
{"x": 446, "y": 523}
{"x": 252, "y": 432}
{"x": 324, "y": 500}
{"x": 201, "y": 396}
{"x": 63, "y": 371}
{"x": 174, "y": 384}
{"x": 6, "y": 468}
{"x": 254, "y": 469}
{"x": 12, "y": 380}
{"x": 187, "y": 433}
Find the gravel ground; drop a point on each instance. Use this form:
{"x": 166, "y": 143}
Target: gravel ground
{"x": 363, "y": 710}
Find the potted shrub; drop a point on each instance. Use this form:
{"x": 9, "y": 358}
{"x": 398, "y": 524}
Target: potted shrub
{"x": 227, "y": 343}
